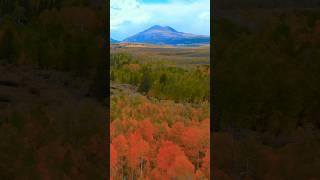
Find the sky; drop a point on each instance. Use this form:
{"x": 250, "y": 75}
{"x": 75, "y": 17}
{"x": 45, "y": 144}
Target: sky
{"x": 128, "y": 17}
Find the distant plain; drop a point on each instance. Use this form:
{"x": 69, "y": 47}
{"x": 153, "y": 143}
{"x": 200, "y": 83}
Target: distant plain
{"x": 178, "y": 55}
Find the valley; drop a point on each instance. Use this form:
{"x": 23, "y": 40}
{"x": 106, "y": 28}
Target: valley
{"x": 160, "y": 112}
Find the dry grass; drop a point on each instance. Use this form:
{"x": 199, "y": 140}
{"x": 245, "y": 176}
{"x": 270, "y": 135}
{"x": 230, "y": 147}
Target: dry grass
{"x": 171, "y": 54}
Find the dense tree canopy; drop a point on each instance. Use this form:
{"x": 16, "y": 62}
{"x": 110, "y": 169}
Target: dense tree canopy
{"x": 147, "y": 147}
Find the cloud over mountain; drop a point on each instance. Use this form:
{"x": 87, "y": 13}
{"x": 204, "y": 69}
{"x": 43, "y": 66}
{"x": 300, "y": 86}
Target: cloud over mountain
{"x": 132, "y": 16}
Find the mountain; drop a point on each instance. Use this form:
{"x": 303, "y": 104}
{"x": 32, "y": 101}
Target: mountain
{"x": 113, "y": 40}
{"x": 167, "y": 35}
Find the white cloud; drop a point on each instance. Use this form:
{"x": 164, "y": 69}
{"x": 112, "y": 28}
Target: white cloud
{"x": 205, "y": 16}
{"x": 131, "y": 16}
{"x": 126, "y": 11}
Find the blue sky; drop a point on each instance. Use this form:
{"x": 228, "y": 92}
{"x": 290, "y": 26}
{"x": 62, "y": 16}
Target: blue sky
{"x": 128, "y": 17}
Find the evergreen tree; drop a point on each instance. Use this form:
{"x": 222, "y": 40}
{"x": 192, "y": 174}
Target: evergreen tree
{"x": 146, "y": 83}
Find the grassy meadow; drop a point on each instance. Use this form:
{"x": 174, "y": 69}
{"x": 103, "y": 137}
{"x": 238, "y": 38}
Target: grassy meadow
{"x": 173, "y": 54}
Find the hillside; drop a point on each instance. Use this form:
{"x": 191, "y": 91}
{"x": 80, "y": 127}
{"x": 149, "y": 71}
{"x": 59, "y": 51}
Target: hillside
{"x": 168, "y": 36}
{"x": 266, "y": 95}
{"x": 48, "y": 121}
{"x": 113, "y": 40}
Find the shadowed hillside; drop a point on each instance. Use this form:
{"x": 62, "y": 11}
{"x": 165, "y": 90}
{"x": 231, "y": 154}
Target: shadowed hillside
{"x": 266, "y": 96}
{"x": 52, "y": 83}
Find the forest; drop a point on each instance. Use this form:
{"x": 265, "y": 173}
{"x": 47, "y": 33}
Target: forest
{"x": 52, "y": 89}
{"x": 160, "y": 124}
{"x": 161, "y": 81}
{"x": 266, "y": 96}
{"x": 62, "y": 35}
{"x": 158, "y": 140}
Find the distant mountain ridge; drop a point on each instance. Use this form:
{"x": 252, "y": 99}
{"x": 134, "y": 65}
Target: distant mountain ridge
{"x": 113, "y": 40}
{"x": 168, "y": 36}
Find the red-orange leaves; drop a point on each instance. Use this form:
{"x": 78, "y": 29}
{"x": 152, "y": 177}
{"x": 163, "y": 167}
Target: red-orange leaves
{"x": 160, "y": 140}
{"x": 173, "y": 163}
{"x": 176, "y": 132}
{"x": 181, "y": 168}
{"x": 138, "y": 150}
{"x": 121, "y": 145}
{"x": 147, "y": 130}
{"x": 206, "y": 164}
{"x": 191, "y": 139}
{"x": 113, "y": 157}
{"x": 167, "y": 154}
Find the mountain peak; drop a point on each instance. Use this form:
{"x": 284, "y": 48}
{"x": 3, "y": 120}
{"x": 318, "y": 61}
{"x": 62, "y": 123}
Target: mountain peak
{"x": 166, "y": 35}
{"x": 170, "y": 29}
{"x": 161, "y": 28}
{"x": 156, "y": 27}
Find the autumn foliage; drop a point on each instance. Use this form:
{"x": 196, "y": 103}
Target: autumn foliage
{"x": 158, "y": 140}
